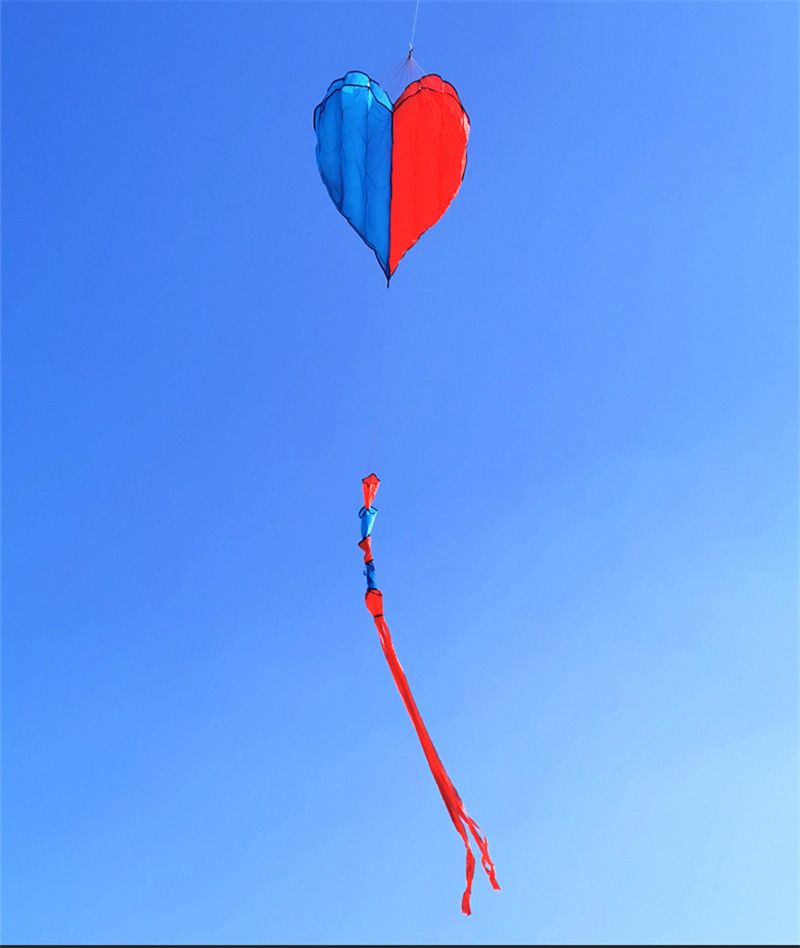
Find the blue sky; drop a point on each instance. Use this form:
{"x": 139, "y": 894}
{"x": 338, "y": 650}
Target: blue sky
{"x": 580, "y": 392}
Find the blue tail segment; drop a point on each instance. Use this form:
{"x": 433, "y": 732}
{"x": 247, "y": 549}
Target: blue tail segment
{"x": 367, "y": 520}
{"x": 354, "y": 153}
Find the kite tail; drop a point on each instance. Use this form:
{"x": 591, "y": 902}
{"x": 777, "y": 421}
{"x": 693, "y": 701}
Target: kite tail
{"x": 455, "y": 807}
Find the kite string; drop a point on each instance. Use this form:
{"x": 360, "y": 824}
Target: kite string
{"x": 413, "y": 30}
{"x": 378, "y": 386}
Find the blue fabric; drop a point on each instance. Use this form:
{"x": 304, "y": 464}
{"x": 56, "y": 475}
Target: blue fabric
{"x": 354, "y": 153}
{"x": 367, "y": 520}
{"x": 369, "y": 572}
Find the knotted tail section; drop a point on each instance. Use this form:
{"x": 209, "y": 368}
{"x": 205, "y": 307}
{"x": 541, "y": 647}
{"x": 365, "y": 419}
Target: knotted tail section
{"x": 455, "y": 807}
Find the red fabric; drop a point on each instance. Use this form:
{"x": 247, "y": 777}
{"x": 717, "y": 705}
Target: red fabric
{"x": 429, "y": 155}
{"x": 461, "y": 820}
{"x": 369, "y": 486}
{"x": 374, "y": 600}
{"x": 366, "y": 546}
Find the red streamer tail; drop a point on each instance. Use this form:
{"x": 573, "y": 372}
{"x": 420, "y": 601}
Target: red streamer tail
{"x": 463, "y": 823}
{"x": 455, "y": 807}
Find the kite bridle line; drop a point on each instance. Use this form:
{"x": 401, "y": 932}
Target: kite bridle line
{"x": 404, "y": 71}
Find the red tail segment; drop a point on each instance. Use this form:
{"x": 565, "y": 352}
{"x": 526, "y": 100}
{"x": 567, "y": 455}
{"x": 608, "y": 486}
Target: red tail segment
{"x": 455, "y": 807}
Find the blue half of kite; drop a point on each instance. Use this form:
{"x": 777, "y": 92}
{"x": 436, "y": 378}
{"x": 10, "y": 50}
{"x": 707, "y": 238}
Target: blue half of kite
{"x": 354, "y": 153}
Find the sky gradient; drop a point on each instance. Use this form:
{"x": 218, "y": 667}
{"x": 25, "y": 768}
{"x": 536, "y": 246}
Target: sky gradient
{"x": 580, "y": 393}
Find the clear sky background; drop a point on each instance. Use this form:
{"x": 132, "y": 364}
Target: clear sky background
{"x": 580, "y": 392}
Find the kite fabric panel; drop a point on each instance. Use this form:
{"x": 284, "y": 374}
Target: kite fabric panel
{"x": 391, "y": 170}
{"x": 463, "y": 823}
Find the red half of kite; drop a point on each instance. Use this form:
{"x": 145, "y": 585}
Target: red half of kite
{"x": 464, "y": 824}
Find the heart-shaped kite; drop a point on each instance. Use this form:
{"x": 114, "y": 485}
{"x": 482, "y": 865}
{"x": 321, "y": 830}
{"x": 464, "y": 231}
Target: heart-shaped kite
{"x": 391, "y": 170}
